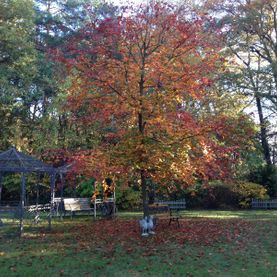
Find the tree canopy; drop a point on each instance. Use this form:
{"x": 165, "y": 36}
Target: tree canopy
{"x": 148, "y": 78}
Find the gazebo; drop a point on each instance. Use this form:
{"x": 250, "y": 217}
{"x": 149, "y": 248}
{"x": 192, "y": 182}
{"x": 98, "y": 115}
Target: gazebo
{"x": 13, "y": 161}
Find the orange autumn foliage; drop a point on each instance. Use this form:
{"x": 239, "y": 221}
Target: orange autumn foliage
{"x": 147, "y": 77}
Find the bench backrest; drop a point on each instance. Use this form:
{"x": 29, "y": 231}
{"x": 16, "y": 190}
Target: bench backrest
{"x": 100, "y": 200}
{"x": 174, "y": 205}
{"x": 40, "y": 207}
{"x": 76, "y": 204}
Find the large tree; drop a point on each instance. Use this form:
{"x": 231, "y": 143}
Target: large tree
{"x": 17, "y": 67}
{"x": 146, "y": 79}
{"x": 56, "y": 22}
{"x": 250, "y": 31}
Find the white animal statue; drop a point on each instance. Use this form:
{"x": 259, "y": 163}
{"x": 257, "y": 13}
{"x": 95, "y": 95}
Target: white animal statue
{"x": 147, "y": 226}
{"x": 150, "y": 225}
{"x": 143, "y": 225}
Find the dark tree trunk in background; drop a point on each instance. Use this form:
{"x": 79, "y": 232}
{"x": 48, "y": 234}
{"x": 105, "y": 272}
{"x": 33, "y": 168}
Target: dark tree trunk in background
{"x": 263, "y": 132}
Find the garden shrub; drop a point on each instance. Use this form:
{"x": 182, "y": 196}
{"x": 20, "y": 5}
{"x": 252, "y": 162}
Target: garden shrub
{"x": 266, "y": 176}
{"x": 128, "y": 199}
{"x": 216, "y": 195}
{"x": 246, "y": 191}
{"x": 220, "y": 196}
{"x": 86, "y": 188}
{"x": 225, "y": 196}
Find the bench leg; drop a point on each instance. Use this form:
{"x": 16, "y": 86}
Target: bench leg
{"x": 174, "y": 219}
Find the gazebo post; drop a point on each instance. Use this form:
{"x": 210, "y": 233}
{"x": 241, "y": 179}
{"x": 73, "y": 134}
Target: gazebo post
{"x": 114, "y": 207}
{"x": 94, "y": 204}
{"x": 0, "y": 187}
{"x": 22, "y": 200}
{"x": 74, "y": 186}
{"x": 114, "y": 199}
{"x": 61, "y": 203}
{"x": 62, "y": 181}
{"x": 52, "y": 184}
{"x": 37, "y": 195}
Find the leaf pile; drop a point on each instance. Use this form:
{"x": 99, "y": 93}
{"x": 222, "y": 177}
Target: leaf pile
{"x": 111, "y": 233}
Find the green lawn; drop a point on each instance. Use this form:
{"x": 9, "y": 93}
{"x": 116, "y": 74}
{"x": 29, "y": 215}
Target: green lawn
{"x": 208, "y": 243}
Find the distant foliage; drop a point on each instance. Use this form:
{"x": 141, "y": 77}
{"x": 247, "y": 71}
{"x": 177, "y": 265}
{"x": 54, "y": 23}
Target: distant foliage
{"x": 86, "y": 188}
{"x": 128, "y": 199}
{"x": 246, "y": 191}
{"x": 220, "y": 195}
{"x": 266, "y": 176}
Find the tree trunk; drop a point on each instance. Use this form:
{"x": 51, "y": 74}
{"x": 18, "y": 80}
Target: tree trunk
{"x": 142, "y": 173}
{"x": 144, "y": 194}
{"x": 265, "y": 144}
{"x": 141, "y": 126}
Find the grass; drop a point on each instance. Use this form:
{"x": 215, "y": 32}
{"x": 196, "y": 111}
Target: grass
{"x": 242, "y": 214}
{"x": 209, "y": 243}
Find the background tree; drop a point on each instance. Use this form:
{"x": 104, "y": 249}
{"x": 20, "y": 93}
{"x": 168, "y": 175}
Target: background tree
{"x": 17, "y": 67}
{"x": 31, "y": 92}
{"x": 56, "y": 22}
{"x": 250, "y": 33}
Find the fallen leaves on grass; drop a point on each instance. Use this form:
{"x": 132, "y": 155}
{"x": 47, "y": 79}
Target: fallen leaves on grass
{"x": 126, "y": 233}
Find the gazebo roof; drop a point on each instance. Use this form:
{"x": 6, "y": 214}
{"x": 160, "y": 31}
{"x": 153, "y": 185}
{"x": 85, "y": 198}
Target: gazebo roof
{"x": 65, "y": 168}
{"x": 15, "y": 161}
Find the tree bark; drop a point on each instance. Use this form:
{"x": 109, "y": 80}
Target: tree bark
{"x": 265, "y": 145}
{"x": 144, "y": 194}
{"x": 141, "y": 126}
{"x": 142, "y": 171}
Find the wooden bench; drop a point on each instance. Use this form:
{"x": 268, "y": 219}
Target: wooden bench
{"x": 73, "y": 205}
{"x": 173, "y": 207}
{"x": 158, "y": 208}
{"x": 106, "y": 206}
